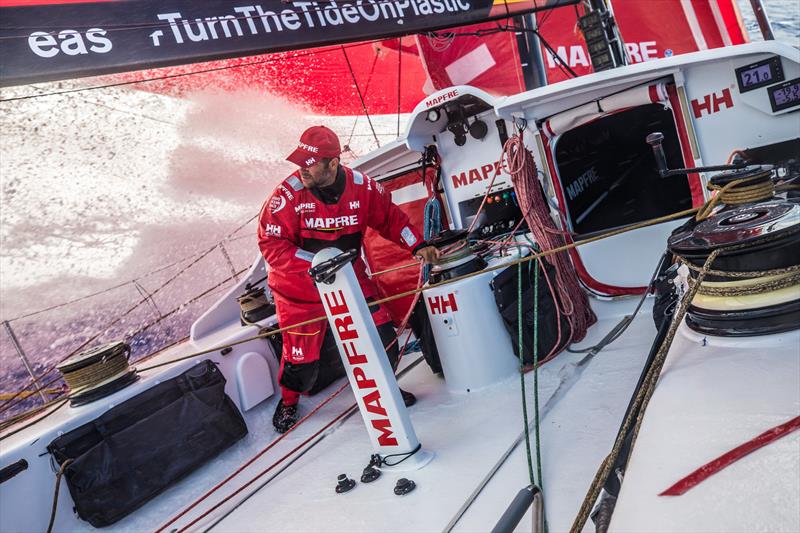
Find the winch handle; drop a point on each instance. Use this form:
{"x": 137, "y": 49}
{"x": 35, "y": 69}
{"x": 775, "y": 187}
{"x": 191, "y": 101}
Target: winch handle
{"x": 325, "y": 272}
{"x": 656, "y": 138}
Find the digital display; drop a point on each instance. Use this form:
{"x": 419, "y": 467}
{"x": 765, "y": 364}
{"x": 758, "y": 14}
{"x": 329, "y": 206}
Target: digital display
{"x": 759, "y": 74}
{"x": 756, "y": 75}
{"x": 785, "y": 95}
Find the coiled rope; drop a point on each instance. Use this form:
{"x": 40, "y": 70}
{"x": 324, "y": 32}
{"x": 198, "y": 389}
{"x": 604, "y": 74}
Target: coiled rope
{"x": 737, "y": 192}
{"x": 764, "y": 283}
{"x": 573, "y": 302}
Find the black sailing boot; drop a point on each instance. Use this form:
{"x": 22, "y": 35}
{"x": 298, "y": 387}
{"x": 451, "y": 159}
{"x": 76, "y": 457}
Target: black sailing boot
{"x": 408, "y": 398}
{"x": 285, "y": 417}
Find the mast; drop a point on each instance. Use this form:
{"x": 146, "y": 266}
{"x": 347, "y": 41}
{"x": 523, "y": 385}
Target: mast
{"x": 530, "y": 53}
{"x": 762, "y": 19}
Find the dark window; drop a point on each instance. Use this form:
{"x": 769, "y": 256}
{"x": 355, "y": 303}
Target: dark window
{"x": 608, "y": 172}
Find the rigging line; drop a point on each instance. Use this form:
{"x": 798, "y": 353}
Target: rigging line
{"x": 557, "y": 58}
{"x": 144, "y": 294}
{"x": 126, "y": 112}
{"x": 536, "y": 256}
{"x": 521, "y": 354}
{"x": 161, "y": 318}
{"x": 134, "y": 280}
{"x": 327, "y": 430}
{"x": 183, "y": 305}
{"x": 56, "y": 404}
{"x": 112, "y": 323}
{"x": 271, "y": 59}
{"x": 360, "y": 96}
{"x": 366, "y": 89}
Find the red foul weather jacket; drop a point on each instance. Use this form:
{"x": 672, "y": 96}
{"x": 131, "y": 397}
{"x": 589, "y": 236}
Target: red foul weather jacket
{"x": 296, "y": 222}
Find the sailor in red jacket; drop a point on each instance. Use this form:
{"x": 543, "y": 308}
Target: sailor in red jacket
{"x": 320, "y": 205}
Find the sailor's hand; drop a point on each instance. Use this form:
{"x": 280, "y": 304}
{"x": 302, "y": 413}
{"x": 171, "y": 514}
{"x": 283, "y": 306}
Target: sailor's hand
{"x": 429, "y": 254}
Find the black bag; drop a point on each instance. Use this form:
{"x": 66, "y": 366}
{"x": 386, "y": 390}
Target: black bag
{"x": 420, "y": 324}
{"x": 505, "y": 295}
{"x": 139, "y": 448}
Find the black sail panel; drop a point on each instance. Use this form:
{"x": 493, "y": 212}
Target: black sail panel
{"x": 52, "y": 41}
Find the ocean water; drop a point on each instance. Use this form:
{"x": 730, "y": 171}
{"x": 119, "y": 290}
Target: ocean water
{"x": 118, "y": 207}
{"x": 784, "y": 17}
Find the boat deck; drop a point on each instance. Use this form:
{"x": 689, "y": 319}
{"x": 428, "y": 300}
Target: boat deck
{"x": 468, "y": 433}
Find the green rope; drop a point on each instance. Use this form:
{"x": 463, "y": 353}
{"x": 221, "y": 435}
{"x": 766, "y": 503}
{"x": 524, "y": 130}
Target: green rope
{"x": 535, "y": 375}
{"x": 536, "y": 369}
{"x": 522, "y": 375}
{"x": 536, "y": 378}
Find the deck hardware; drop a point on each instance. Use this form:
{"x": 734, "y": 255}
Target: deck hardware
{"x": 478, "y": 129}
{"x": 325, "y": 272}
{"x": 344, "y": 484}
{"x": 226, "y": 351}
{"x": 404, "y": 486}
{"x": 656, "y": 138}
{"x": 371, "y": 471}
{"x": 12, "y": 470}
{"x": 370, "y": 474}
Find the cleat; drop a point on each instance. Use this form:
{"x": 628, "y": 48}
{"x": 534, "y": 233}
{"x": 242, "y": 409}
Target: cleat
{"x": 285, "y": 417}
{"x": 408, "y": 398}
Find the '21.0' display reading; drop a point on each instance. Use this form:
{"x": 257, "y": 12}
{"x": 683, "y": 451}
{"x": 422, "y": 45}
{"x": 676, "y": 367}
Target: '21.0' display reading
{"x": 756, "y": 76}
{"x": 785, "y": 95}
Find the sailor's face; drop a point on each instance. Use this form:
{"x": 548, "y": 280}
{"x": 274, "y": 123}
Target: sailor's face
{"x": 319, "y": 174}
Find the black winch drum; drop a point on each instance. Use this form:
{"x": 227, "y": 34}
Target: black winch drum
{"x": 768, "y": 234}
{"x": 113, "y": 353}
{"x": 754, "y": 174}
{"x": 460, "y": 262}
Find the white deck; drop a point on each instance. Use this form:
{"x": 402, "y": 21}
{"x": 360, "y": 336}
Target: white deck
{"x": 714, "y": 395}
{"x": 711, "y": 398}
{"x": 467, "y": 432}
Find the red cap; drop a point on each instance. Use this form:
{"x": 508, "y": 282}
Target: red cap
{"x": 316, "y": 143}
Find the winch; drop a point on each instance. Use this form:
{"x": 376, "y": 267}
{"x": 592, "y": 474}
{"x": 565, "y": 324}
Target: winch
{"x": 754, "y": 288}
{"x": 255, "y": 305}
{"x": 98, "y": 372}
{"x": 474, "y": 348}
{"x": 457, "y": 257}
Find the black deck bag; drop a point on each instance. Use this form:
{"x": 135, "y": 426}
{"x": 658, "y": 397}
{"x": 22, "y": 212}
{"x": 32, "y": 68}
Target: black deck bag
{"x": 139, "y": 448}
{"x": 505, "y": 295}
{"x": 420, "y": 324}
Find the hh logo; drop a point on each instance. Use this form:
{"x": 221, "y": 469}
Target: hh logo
{"x": 310, "y": 161}
{"x": 354, "y": 205}
{"x": 711, "y": 103}
{"x": 297, "y": 352}
{"x": 442, "y": 304}
{"x": 272, "y": 229}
